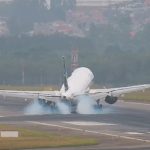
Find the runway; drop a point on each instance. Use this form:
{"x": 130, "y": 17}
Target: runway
{"x": 122, "y": 126}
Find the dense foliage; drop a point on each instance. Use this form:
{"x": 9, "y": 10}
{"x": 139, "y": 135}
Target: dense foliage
{"x": 40, "y": 59}
{"x": 114, "y": 56}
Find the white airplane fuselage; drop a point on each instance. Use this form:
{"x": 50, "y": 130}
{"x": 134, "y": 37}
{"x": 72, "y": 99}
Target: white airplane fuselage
{"x": 78, "y": 83}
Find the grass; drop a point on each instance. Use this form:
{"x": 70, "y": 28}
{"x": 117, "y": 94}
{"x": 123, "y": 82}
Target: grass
{"x": 138, "y": 96}
{"x": 39, "y": 139}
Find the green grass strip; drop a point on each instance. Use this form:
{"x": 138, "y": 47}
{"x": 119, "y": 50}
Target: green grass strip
{"x": 38, "y": 139}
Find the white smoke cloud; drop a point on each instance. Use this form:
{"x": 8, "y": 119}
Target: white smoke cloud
{"x": 35, "y": 108}
{"x": 85, "y": 105}
{"x": 63, "y": 108}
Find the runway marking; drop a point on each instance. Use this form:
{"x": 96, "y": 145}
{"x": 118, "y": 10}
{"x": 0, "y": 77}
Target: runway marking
{"x": 137, "y": 103}
{"x": 83, "y": 123}
{"x": 54, "y": 125}
{"x": 91, "y": 131}
{"x": 1, "y": 116}
{"x": 134, "y": 133}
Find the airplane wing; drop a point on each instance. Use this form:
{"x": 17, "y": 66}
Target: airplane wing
{"x": 48, "y": 95}
{"x": 102, "y": 93}
{"x": 54, "y": 95}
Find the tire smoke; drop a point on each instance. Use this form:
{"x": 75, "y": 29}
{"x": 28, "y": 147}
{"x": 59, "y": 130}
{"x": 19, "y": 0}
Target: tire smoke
{"x": 85, "y": 105}
{"x": 35, "y": 108}
{"x": 63, "y": 108}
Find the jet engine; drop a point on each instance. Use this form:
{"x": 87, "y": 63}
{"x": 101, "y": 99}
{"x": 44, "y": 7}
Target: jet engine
{"x": 111, "y": 99}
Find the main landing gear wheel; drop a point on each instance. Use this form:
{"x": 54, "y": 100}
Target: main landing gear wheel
{"x": 99, "y": 105}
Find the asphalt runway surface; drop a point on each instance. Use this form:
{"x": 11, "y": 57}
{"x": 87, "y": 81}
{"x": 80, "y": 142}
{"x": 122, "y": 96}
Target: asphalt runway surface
{"x": 123, "y": 125}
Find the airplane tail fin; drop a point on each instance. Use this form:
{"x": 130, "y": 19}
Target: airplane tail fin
{"x": 65, "y": 74}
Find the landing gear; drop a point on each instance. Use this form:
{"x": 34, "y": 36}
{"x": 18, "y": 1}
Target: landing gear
{"x": 73, "y": 108}
{"x": 45, "y": 103}
{"x": 62, "y": 106}
{"x": 42, "y": 101}
{"x": 99, "y": 105}
{"x": 71, "y": 104}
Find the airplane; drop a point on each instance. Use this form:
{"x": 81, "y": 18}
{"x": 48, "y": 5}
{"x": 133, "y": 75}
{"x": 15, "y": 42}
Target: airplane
{"x": 74, "y": 86}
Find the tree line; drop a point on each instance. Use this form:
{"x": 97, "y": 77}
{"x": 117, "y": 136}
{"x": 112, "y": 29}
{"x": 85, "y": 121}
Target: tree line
{"x": 39, "y": 59}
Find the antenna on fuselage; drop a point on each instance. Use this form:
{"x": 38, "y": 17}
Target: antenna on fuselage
{"x": 65, "y": 74}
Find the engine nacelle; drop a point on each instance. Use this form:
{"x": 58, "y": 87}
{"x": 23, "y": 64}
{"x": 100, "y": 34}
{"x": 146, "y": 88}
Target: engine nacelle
{"x": 111, "y": 99}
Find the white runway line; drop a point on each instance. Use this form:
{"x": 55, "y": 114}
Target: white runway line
{"x": 137, "y": 103}
{"x": 1, "y": 116}
{"x": 90, "y": 131}
{"x": 134, "y": 133}
{"x": 54, "y": 125}
{"x": 86, "y": 123}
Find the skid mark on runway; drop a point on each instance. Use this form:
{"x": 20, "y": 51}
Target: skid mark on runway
{"x": 91, "y": 131}
{"x": 87, "y": 123}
